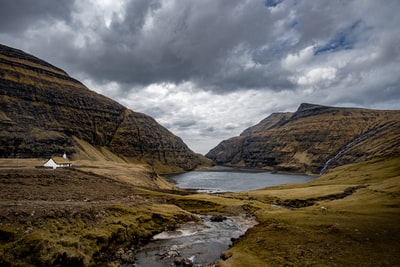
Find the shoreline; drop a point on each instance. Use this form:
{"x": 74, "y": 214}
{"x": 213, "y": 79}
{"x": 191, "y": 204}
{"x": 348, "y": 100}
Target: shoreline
{"x": 85, "y": 219}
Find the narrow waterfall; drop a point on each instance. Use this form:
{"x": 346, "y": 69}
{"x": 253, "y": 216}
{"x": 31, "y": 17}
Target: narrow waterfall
{"x": 345, "y": 148}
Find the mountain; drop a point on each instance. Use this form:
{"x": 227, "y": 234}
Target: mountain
{"x": 45, "y": 112}
{"x": 312, "y": 139}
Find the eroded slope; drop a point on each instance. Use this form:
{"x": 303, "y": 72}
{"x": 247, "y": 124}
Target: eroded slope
{"x": 44, "y": 112}
{"x": 305, "y": 140}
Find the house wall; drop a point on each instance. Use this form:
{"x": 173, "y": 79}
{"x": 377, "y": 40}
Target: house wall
{"x": 50, "y": 163}
{"x": 64, "y": 165}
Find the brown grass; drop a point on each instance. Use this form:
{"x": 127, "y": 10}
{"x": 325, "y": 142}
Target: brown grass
{"x": 358, "y": 230}
{"x": 29, "y": 77}
{"x": 31, "y": 63}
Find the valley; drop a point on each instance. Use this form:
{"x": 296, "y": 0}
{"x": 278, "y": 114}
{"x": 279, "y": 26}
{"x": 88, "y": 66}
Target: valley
{"x": 114, "y": 199}
{"x": 72, "y": 217}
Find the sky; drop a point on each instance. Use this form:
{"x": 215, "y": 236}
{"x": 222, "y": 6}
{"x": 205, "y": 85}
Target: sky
{"x": 208, "y": 69}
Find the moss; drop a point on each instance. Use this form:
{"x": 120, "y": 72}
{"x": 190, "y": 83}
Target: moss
{"x": 74, "y": 242}
{"x": 359, "y": 229}
{"x": 197, "y": 206}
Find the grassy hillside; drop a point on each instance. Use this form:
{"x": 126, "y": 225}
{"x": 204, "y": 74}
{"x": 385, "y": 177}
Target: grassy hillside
{"x": 357, "y": 226}
{"x": 89, "y": 215}
{"x": 44, "y": 112}
{"x": 97, "y": 214}
{"x": 305, "y": 140}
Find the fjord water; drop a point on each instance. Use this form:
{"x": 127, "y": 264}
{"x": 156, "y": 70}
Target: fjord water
{"x": 224, "y": 179}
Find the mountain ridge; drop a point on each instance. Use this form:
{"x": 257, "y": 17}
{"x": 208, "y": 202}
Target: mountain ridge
{"x": 44, "y": 110}
{"x": 303, "y": 141}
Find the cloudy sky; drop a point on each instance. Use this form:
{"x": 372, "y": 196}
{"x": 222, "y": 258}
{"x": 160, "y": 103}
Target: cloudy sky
{"x": 208, "y": 69}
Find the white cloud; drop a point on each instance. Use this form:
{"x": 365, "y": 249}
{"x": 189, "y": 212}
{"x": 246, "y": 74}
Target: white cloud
{"x": 294, "y": 61}
{"x": 317, "y": 76}
{"x": 202, "y": 118}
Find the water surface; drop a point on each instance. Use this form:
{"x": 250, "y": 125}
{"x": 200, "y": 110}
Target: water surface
{"x": 226, "y": 179}
{"x": 202, "y": 242}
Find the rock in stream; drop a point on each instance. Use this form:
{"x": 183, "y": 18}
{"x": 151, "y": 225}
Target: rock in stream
{"x": 193, "y": 244}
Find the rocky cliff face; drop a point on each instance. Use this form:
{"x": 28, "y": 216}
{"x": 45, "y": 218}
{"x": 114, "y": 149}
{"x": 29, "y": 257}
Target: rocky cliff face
{"x": 304, "y": 141}
{"x": 45, "y": 112}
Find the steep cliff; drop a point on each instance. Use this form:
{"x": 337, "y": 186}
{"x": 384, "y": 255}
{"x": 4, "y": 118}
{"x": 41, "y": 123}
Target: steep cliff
{"x": 45, "y": 112}
{"x": 304, "y": 141}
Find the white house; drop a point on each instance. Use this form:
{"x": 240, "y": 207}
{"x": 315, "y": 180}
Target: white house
{"x": 58, "y": 162}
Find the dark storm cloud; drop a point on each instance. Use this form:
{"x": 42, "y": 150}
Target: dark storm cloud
{"x": 18, "y": 15}
{"x": 208, "y": 69}
{"x": 218, "y": 44}
{"x": 221, "y": 46}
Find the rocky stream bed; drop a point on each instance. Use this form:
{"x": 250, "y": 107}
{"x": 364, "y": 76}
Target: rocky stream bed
{"x": 194, "y": 243}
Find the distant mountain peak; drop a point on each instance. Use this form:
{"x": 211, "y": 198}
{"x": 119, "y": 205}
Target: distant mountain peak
{"x": 304, "y": 141}
{"x": 304, "y": 106}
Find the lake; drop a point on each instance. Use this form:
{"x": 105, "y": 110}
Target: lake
{"x": 224, "y": 179}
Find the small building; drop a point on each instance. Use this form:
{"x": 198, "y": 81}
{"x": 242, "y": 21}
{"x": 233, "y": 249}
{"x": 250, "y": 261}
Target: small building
{"x": 58, "y": 162}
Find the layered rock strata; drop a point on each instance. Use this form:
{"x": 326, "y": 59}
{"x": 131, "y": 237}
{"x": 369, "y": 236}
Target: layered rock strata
{"x": 45, "y": 112}
{"x": 305, "y": 140}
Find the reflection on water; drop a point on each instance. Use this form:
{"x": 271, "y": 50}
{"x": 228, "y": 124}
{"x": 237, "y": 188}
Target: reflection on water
{"x": 227, "y": 179}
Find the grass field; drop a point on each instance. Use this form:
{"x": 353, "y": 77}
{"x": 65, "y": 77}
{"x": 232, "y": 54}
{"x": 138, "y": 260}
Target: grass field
{"x": 360, "y": 228}
{"x": 79, "y": 216}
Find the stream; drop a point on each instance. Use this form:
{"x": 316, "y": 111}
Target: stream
{"x": 201, "y": 243}
{"x": 196, "y": 243}
{"x": 346, "y": 147}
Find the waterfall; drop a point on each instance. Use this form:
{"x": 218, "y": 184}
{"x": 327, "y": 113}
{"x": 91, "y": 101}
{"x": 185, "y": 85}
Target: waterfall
{"x": 345, "y": 148}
